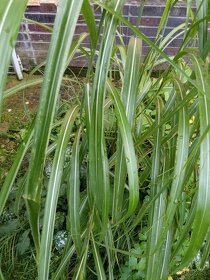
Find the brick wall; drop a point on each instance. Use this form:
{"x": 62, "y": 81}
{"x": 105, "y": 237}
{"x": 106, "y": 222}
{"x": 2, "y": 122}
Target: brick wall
{"x": 33, "y": 40}
{"x": 38, "y": 2}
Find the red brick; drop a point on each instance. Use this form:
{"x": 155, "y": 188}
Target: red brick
{"x": 48, "y": 8}
{"x": 36, "y": 28}
{"x": 44, "y": 37}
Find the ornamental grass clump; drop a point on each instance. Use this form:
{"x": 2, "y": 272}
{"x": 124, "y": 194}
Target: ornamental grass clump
{"x": 134, "y": 195}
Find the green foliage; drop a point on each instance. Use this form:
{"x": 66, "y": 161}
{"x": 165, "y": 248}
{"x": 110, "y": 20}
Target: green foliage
{"x": 135, "y": 267}
{"x": 10, "y": 14}
{"x": 118, "y": 181}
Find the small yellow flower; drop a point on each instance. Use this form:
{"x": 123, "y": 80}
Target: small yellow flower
{"x": 184, "y": 270}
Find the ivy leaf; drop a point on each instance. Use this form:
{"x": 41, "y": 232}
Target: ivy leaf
{"x": 132, "y": 262}
{"x": 9, "y": 227}
{"x": 141, "y": 265}
{"x": 23, "y": 243}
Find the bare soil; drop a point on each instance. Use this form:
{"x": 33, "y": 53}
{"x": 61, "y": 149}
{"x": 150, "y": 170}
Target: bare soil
{"x": 18, "y": 111}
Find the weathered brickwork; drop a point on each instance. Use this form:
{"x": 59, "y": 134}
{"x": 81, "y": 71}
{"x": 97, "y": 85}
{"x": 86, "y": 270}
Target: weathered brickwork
{"x": 33, "y": 40}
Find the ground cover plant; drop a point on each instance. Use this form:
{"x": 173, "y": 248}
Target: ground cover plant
{"x": 116, "y": 184}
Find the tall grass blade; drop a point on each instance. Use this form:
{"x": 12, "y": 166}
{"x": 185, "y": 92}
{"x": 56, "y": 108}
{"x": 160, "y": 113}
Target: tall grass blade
{"x": 67, "y": 254}
{"x": 129, "y": 151}
{"x": 182, "y": 147}
{"x": 65, "y": 260}
{"x": 164, "y": 18}
{"x": 73, "y": 186}
{"x": 186, "y": 228}
{"x": 158, "y": 208}
{"x": 98, "y": 163}
{"x": 87, "y": 93}
{"x": 129, "y": 97}
{"x": 111, "y": 254}
{"x": 1, "y": 275}
{"x": 11, "y": 13}
{"x": 187, "y": 21}
{"x": 202, "y": 11}
{"x": 26, "y": 84}
{"x": 11, "y": 176}
{"x": 53, "y": 192}
{"x": 98, "y": 262}
{"x": 166, "y": 253}
{"x": 201, "y": 222}
{"x": 21, "y": 86}
{"x": 81, "y": 270}
{"x": 140, "y": 13}
{"x": 75, "y": 46}
{"x": 91, "y": 24}
{"x": 66, "y": 19}
{"x": 147, "y": 41}
{"x": 180, "y": 157}
{"x": 206, "y": 49}
{"x": 206, "y": 250}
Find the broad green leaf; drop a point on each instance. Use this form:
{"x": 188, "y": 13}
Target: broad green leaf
{"x": 23, "y": 244}
{"x": 9, "y": 227}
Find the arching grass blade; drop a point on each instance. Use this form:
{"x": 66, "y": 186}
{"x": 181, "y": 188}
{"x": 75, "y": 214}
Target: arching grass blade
{"x": 129, "y": 97}
{"x": 53, "y": 192}
{"x": 11, "y": 13}
{"x": 129, "y": 151}
{"x": 65, "y": 23}
{"x": 201, "y": 222}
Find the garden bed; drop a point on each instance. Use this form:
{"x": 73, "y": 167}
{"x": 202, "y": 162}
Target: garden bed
{"x": 20, "y": 109}
{"x": 105, "y": 179}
